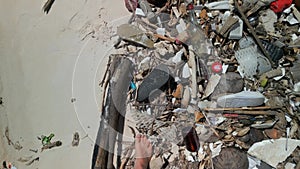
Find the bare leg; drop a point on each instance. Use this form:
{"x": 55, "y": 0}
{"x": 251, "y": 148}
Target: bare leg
{"x": 143, "y": 149}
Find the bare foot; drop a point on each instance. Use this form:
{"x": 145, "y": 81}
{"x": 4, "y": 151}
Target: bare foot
{"x": 143, "y": 149}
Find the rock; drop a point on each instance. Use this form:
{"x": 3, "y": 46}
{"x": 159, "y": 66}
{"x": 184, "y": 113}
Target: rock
{"x": 156, "y": 79}
{"x": 243, "y": 132}
{"x": 273, "y": 133}
{"x": 232, "y": 158}
{"x": 144, "y": 64}
{"x": 186, "y": 97}
{"x": 229, "y": 83}
{"x": 212, "y": 83}
{"x": 156, "y": 163}
{"x": 273, "y": 151}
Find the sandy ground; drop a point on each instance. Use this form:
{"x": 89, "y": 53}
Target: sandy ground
{"x": 46, "y": 60}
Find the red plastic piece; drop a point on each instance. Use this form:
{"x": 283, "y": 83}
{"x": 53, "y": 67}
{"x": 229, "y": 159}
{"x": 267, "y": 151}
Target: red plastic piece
{"x": 279, "y": 5}
{"x": 178, "y": 42}
{"x": 231, "y": 115}
{"x": 216, "y": 67}
{"x": 190, "y": 7}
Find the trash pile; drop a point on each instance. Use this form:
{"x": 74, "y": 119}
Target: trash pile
{"x": 215, "y": 83}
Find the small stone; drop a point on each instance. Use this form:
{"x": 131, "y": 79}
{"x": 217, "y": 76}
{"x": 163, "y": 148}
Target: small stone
{"x": 243, "y": 131}
{"x": 178, "y": 92}
{"x": 186, "y": 97}
{"x": 272, "y": 133}
{"x": 232, "y": 158}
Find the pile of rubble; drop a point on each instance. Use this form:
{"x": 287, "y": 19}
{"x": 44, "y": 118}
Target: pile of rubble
{"x": 214, "y": 84}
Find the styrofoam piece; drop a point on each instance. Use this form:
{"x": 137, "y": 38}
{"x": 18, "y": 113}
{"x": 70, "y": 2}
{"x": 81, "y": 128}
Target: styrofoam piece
{"x": 273, "y": 151}
{"x": 241, "y": 99}
{"x": 237, "y": 33}
{"x": 247, "y": 59}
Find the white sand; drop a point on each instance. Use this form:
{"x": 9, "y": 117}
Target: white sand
{"x": 45, "y": 61}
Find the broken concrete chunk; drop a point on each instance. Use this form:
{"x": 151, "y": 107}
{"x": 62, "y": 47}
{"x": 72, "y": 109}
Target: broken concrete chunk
{"x": 273, "y": 151}
{"x": 268, "y": 18}
{"x": 227, "y": 26}
{"x": 212, "y": 83}
{"x": 237, "y": 32}
{"x": 230, "y": 82}
{"x": 134, "y": 34}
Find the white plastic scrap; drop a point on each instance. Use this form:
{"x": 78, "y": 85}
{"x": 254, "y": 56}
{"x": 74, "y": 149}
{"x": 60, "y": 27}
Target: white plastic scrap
{"x": 224, "y": 68}
{"x": 139, "y": 11}
{"x": 291, "y": 19}
{"x": 220, "y": 5}
{"x": 186, "y": 71}
{"x": 253, "y": 162}
{"x": 215, "y": 151}
{"x": 280, "y": 77}
{"x": 289, "y": 9}
{"x": 290, "y": 166}
{"x": 273, "y": 151}
{"x": 177, "y": 57}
